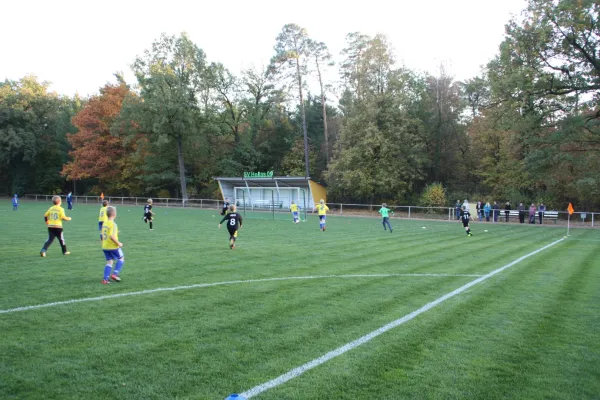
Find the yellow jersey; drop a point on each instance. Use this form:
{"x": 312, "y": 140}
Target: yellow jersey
{"x": 294, "y": 208}
{"x": 102, "y": 217}
{"x": 322, "y": 208}
{"x": 109, "y": 228}
{"x": 55, "y": 215}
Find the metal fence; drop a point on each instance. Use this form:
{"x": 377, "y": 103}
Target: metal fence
{"x": 578, "y": 219}
{"x": 134, "y": 201}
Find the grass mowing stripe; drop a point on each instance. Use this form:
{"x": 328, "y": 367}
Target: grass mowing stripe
{"x": 370, "y": 336}
{"x": 203, "y": 285}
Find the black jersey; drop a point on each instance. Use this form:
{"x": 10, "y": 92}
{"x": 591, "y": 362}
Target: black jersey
{"x": 234, "y": 221}
{"x": 465, "y": 216}
{"x": 148, "y": 209}
{"x": 225, "y": 207}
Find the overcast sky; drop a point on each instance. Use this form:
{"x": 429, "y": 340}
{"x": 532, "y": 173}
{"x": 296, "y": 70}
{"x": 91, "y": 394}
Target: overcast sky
{"x": 78, "y": 45}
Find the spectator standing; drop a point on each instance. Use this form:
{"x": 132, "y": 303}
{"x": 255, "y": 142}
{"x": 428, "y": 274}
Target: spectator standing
{"x": 486, "y": 210}
{"x": 70, "y": 201}
{"x": 507, "y": 209}
{"x": 457, "y": 209}
{"x": 479, "y": 208}
{"x": 541, "y": 211}
{"x": 532, "y": 211}
{"x": 521, "y": 209}
{"x": 496, "y": 211}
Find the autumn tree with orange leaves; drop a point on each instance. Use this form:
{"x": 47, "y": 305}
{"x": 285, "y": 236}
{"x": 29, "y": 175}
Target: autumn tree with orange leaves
{"x": 97, "y": 152}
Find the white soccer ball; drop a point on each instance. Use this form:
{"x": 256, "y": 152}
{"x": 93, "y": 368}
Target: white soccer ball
{"x": 485, "y": 230}
{"x": 424, "y": 228}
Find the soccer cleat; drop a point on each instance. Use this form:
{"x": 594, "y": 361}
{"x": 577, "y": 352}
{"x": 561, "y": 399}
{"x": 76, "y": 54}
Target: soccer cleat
{"x": 115, "y": 278}
{"x": 105, "y": 281}
{"x": 43, "y": 253}
{"x": 66, "y": 253}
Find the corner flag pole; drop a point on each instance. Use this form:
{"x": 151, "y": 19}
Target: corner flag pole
{"x": 571, "y": 210}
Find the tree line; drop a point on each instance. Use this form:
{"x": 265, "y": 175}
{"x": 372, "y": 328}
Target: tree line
{"x": 525, "y": 129}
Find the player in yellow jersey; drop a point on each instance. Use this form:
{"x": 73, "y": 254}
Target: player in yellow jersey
{"x": 54, "y": 218}
{"x": 322, "y": 209}
{"x": 111, "y": 247}
{"x": 294, "y": 210}
{"x": 102, "y": 216}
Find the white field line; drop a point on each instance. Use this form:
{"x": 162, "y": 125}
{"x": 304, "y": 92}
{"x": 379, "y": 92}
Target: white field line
{"x": 368, "y": 337}
{"x": 203, "y": 285}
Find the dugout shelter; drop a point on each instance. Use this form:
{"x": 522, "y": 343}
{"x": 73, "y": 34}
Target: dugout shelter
{"x": 257, "y": 191}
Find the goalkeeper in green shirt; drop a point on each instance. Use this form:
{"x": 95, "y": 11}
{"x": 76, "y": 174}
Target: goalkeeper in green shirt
{"x": 385, "y": 213}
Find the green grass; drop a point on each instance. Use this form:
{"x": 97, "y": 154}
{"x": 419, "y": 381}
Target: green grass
{"x": 530, "y": 332}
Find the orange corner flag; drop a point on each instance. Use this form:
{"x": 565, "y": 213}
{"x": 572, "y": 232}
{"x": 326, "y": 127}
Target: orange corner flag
{"x": 570, "y": 209}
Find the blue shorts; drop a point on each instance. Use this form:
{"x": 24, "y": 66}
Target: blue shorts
{"x": 322, "y": 217}
{"x": 115, "y": 254}
{"x": 100, "y": 225}
{"x": 295, "y": 214}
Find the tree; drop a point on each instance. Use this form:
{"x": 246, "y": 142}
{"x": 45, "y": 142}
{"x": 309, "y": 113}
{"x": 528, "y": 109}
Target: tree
{"x": 352, "y": 69}
{"x": 563, "y": 36}
{"x": 228, "y": 92}
{"x": 322, "y": 58}
{"x": 476, "y": 94}
{"x": 440, "y": 110}
{"x": 292, "y": 51}
{"x": 170, "y": 75}
{"x": 544, "y": 89}
{"x": 33, "y": 124}
{"x": 380, "y": 153}
{"x": 97, "y": 153}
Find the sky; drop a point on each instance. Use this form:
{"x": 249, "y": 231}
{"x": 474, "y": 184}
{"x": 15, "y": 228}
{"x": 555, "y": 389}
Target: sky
{"x": 79, "y": 45}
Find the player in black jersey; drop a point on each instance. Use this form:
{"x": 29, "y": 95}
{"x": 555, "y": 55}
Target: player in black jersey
{"x": 465, "y": 217}
{"x": 148, "y": 213}
{"x": 225, "y": 206}
{"x": 234, "y": 222}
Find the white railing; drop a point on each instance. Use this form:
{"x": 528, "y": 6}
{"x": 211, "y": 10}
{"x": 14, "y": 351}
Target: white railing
{"x": 578, "y": 219}
{"x": 157, "y": 201}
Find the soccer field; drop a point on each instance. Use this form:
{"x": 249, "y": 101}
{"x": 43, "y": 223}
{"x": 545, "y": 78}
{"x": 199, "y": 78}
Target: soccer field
{"x": 193, "y": 319}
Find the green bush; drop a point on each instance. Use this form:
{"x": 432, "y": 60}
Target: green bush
{"x": 163, "y": 194}
{"x": 434, "y": 195}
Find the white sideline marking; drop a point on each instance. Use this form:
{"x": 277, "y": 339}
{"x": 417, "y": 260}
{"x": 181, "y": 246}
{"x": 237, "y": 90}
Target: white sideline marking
{"x": 203, "y": 285}
{"x": 368, "y": 337}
